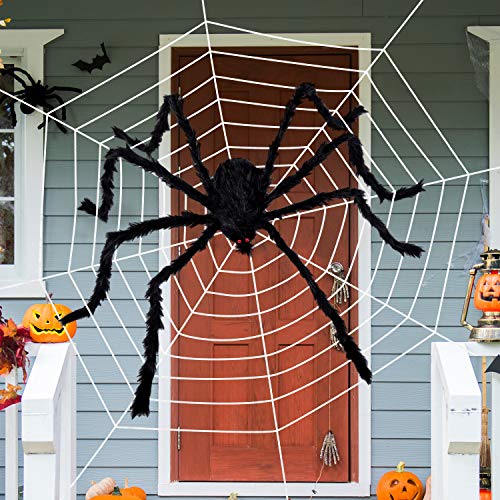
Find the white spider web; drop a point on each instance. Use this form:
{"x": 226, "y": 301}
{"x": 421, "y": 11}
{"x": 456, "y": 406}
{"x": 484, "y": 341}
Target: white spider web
{"x": 142, "y": 255}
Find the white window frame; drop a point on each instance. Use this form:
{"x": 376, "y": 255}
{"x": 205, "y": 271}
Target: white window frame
{"x": 23, "y": 278}
{"x": 167, "y": 487}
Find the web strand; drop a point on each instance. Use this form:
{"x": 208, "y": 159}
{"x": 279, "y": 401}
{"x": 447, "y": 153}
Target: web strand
{"x": 222, "y": 269}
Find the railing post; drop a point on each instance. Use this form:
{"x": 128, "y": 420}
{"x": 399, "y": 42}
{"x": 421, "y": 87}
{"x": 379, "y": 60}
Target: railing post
{"x": 495, "y": 435}
{"x": 456, "y": 424}
{"x": 49, "y": 433}
{"x": 11, "y": 446}
{"x": 67, "y": 429}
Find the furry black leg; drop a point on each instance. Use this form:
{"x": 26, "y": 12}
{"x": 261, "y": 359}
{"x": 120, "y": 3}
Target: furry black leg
{"x": 356, "y": 158}
{"x": 47, "y": 108}
{"x": 177, "y": 105}
{"x": 149, "y": 165}
{"x": 161, "y": 126}
{"x": 302, "y": 92}
{"x": 359, "y": 199}
{"x": 140, "y": 406}
{"x": 107, "y": 186}
{"x": 324, "y": 151}
{"x": 117, "y": 238}
{"x": 60, "y": 100}
{"x": 350, "y": 347}
{"x": 65, "y": 89}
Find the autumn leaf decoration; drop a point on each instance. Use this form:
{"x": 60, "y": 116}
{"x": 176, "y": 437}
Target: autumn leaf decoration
{"x": 13, "y": 340}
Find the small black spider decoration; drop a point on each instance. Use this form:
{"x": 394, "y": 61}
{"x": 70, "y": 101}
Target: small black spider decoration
{"x": 35, "y": 94}
{"x": 236, "y": 198}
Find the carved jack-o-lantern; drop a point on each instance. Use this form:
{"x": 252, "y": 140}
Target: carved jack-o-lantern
{"x": 43, "y": 323}
{"x": 487, "y": 296}
{"x": 400, "y": 485}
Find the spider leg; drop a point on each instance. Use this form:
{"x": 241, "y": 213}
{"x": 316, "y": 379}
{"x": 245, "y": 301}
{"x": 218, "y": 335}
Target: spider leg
{"x": 176, "y": 105}
{"x": 59, "y": 125}
{"x": 60, "y": 100}
{"x": 357, "y": 159}
{"x": 306, "y": 168}
{"x": 113, "y": 241}
{"x": 358, "y": 197}
{"x": 56, "y": 88}
{"x": 12, "y": 72}
{"x": 302, "y": 92}
{"x": 140, "y": 406}
{"x": 160, "y": 128}
{"x": 350, "y": 347}
{"x": 149, "y": 165}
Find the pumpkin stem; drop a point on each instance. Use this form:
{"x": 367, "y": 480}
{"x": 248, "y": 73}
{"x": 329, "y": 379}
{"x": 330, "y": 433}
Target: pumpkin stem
{"x": 126, "y": 482}
{"x": 400, "y": 467}
{"x": 116, "y": 492}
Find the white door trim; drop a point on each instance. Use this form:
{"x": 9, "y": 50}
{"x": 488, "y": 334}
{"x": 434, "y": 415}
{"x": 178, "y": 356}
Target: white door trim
{"x": 166, "y": 487}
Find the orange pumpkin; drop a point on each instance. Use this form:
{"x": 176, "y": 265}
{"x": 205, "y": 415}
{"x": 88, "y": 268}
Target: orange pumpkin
{"x": 487, "y": 295}
{"x": 400, "y": 485}
{"x": 116, "y": 495}
{"x": 133, "y": 491}
{"x": 43, "y": 323}
{"x": 485, "y": 494}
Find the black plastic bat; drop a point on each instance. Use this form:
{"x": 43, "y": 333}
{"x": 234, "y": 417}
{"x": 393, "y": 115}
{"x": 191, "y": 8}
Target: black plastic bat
{"x": 495, "y": 366}
{"x": 97, "y": 63}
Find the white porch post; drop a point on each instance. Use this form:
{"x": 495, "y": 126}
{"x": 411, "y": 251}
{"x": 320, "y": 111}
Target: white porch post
{"x": 491, "y": 34}
{"x": 11, "y": 447}
{"x": 49, "y": 425}
{"x": 455, "y": 424}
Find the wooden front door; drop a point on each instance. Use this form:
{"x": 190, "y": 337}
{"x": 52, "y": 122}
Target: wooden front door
{"x": 214, "y": 299}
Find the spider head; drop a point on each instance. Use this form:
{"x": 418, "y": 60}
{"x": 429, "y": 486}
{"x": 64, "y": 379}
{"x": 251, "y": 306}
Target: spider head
{"x": 241, "y": 237}
{"x": 244, "y": 245}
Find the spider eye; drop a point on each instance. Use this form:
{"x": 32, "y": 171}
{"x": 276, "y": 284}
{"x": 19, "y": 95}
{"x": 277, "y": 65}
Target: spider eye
{"x": 239, "y": 241}
{"x": 247, "y": 240}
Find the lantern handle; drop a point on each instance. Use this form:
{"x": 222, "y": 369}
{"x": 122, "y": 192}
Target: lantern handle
{"x": 470, "y": 286}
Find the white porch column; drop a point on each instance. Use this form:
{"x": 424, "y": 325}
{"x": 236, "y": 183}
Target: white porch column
{"x": 491, "y": 34}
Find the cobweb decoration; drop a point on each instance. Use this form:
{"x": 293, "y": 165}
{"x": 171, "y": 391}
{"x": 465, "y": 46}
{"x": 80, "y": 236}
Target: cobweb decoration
{"x": 136, "y": 264}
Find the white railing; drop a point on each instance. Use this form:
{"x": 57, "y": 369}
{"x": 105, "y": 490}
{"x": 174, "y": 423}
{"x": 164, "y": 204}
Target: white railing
{"x": 456, "y": 421}
{"x": 49, "y": 425}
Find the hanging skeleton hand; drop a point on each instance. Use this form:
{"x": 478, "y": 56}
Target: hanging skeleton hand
{"x": 339, "y": 289}
{"x": 329, "y": 452}
{"x": 340, "y": 293}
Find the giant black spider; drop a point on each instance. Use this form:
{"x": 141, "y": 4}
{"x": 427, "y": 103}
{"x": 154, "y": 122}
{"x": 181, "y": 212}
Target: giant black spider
{"x": 236, "y": 199}
{"x": 34, "y": 94}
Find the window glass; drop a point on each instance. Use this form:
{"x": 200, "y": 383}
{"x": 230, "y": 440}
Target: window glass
{"x": 7, "y": 84}
{"x": 7, "y": 192}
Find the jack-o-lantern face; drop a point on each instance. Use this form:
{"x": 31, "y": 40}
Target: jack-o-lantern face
{"x": 400, "y": 485}
{"x": 43, "y": 323}
{"x": 487, "y": 295}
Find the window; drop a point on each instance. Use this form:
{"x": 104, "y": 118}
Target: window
{"x": 7, "y": 178}
{"x": 21, "y": 173}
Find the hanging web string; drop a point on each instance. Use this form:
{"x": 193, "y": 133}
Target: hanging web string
{"x": 309, "y": 260}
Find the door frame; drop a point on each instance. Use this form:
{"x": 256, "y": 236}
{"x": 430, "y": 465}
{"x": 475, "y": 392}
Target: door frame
{"x": 360, "y": 488}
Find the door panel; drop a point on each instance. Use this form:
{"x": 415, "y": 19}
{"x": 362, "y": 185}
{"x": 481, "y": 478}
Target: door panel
{"x": 288, "y": 308}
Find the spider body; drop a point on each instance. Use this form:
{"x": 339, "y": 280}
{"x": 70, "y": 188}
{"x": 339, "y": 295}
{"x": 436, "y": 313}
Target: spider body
{"x": 236, "y": 202}
{"x": 34, "y": 94}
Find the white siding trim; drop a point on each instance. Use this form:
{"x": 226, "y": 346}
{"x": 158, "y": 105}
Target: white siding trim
{"x": 359, "y": 489}
{"x": 28, "y": 268}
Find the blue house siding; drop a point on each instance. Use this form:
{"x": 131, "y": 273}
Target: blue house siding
{"x": 431, "y": 52}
